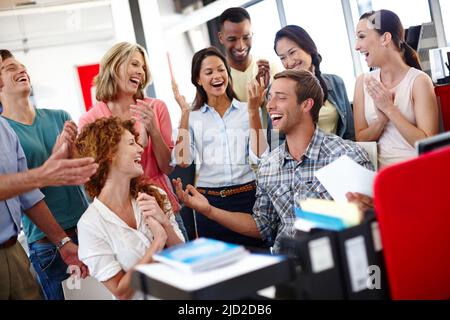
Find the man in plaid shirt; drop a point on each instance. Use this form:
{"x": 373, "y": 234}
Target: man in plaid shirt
{"x": 294, "y": 103}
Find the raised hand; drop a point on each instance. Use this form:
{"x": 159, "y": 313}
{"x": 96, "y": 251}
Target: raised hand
{"x": 263, "y": 72}
{"x": 181, "y": 100}
{"x": 60, "y": 171}
{"x": 67, "y": 136}
{"x": 256, "y": 92}
{"x": 191, "y": 197}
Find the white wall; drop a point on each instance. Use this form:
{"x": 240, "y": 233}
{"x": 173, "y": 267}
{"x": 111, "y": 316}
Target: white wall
{"x": 54, "y": 77}
{"x": 52, "y": 68}
{"x": 157, "y": 16}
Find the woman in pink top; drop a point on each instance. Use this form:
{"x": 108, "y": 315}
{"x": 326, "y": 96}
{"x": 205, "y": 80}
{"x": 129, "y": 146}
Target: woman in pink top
{"x": 120, "y": 87}
{"x": 395, "y": 104}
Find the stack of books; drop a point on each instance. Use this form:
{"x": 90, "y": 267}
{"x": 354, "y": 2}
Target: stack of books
{"x": 201, "y": 254}
{"x": 326, "y": 214}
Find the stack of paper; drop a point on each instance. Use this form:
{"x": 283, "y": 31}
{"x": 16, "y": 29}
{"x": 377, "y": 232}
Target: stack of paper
{"x": 201, "y": 254}
{"x": 326, "y": 214}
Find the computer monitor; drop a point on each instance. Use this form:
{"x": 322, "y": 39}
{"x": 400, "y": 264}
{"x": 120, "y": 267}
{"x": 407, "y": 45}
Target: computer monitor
{"x": 440, "y": 65}
{"x": 412, "y": 35}
{"x": 427, "y": 41}
{"x": 433, "y": 143}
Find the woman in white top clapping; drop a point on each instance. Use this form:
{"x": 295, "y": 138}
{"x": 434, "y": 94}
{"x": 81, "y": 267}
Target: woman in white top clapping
{"x": 395, "y": 104}
{"x": 129, "y": 219}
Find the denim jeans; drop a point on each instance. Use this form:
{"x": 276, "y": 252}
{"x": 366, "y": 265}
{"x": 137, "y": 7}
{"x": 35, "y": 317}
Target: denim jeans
{"x": 180, "y": 222}
{"x": 50, "y": 268}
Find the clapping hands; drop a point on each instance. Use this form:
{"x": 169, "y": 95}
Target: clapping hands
{"x": 382, "y": 97}
{"x": 143, "y": 112}
{"x": 67, "y": 136}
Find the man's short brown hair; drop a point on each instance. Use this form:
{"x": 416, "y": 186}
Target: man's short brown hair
{"x": 6, "y": 54}
{"x": 308, "y": 87}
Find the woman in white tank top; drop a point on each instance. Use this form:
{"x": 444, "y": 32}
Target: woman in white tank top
{"x": 394, "y": 105}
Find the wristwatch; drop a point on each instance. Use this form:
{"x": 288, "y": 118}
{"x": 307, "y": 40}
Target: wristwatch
{"x": 62, "y": 242}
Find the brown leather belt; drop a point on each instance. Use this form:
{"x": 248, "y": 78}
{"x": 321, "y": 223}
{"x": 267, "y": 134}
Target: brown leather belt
{"x": 70, "y": 232}
{"x": 8, "y": 243}
{"x": 228, "y": 191}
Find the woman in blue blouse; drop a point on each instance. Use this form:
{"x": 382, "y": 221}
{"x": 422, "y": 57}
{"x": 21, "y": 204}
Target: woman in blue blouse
{"x": 298, "y": 51}
{"x": 216, "y": 135}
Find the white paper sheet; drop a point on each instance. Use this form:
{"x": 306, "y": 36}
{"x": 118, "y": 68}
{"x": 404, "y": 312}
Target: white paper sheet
{"x": 345, "y": 175}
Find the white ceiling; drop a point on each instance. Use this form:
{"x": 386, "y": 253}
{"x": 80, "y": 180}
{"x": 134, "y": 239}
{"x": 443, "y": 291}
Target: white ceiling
{"x": 17, "y": 4}
{"x": 54, "y": 23}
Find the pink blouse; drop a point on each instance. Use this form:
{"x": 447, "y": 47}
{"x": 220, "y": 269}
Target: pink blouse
{"x": 149, "y": 163}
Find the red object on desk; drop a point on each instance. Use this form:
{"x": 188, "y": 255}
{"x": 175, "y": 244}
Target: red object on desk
{"x": 412, "y": 203}
{"x": 443, "y": 97}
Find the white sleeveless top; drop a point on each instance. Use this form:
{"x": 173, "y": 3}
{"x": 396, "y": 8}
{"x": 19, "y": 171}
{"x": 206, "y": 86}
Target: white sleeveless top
{"x": 392, "y": 147}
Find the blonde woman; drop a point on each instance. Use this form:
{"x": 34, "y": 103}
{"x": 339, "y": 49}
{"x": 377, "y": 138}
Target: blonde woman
{"x": 120, "y": 89}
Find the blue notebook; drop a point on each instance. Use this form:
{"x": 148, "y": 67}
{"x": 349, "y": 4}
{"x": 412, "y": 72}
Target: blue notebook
{"x": 320, "y": 220}
{"x": 201, "y": 254}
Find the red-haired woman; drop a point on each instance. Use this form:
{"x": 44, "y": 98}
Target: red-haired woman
{"x": 129, "y": 220}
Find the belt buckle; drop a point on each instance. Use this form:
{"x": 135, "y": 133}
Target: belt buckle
{"x": 222, "y": 193}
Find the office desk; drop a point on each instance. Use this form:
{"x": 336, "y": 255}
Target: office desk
{"x": 235, "y": 281}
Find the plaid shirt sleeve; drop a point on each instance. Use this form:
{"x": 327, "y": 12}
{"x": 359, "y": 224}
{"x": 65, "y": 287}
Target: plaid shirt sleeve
{"x": 266, "y": 218}
{"x": 361, "y": 157}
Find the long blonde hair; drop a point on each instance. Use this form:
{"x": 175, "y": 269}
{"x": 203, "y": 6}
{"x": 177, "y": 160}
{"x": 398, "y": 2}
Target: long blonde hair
{"x": 115, "y": 58}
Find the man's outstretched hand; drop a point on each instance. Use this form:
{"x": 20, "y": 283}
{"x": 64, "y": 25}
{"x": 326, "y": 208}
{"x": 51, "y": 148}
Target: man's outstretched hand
{"x": 60, "y": 171}
{"x": 191, "y": 197}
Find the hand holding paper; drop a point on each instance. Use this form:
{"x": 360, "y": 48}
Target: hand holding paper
{"x": 345, "y": 175}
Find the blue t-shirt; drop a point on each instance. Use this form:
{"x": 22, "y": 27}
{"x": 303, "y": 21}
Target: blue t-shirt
{"x": 66, "y": 203}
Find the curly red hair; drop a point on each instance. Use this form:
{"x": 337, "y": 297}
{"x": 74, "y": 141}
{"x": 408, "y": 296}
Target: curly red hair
{"x": 100, "y": 140}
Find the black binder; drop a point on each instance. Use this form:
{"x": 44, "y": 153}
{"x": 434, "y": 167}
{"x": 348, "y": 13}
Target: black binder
{"x": 239, "y": 287}
{"x": 318, "y": 269}
{"x": 362, "y": 243}
{"x": 357, "y": 256}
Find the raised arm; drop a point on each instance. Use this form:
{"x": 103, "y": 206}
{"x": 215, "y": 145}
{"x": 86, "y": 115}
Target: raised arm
{"x": 182, "y": 147}
{"x": 56, "y": 171}
{"x": 256, "y": 93}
